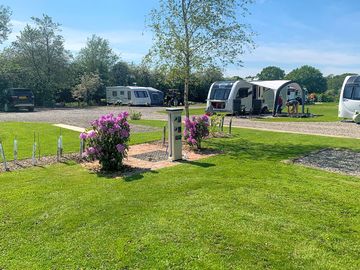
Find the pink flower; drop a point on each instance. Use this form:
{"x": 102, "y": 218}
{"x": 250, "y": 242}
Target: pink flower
{"x": 91, "y": 150}
{"x": 83, "y": 135}
{"x": 91, "y": 134}
{"x": 120, "y": 148}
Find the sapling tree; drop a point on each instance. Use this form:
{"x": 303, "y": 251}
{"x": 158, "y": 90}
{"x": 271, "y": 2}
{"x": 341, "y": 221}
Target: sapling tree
{"x": 190, "y": 35}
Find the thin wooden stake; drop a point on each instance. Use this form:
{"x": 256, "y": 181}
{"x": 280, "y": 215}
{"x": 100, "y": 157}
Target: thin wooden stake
{"x": 163, "y": 135}
{"x": 230, "y": 125}
{"x": 2, "y": 153}
{"x": 15, "y": 150}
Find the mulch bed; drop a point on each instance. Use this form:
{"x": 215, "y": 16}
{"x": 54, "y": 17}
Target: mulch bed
{"x": 333, "y": 160}
{"x": 141, "y": 158}
{"x": 43, "y": 161}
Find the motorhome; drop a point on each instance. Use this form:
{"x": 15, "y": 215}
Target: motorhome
{"x": 349, "y": 102}
{"x": 236, "y": 97}
{"x": 128, "y": 95}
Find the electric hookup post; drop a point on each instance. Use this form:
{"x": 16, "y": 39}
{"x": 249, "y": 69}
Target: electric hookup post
{"x": 175, "y": 134}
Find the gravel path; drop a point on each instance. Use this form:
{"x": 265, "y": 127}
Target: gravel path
{"x": 339, "y": 129}
{"x": 343, "y": 161}
{"x": 82, "y": 117}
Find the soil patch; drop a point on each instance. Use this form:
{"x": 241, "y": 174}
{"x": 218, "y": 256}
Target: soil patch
{"x": 334, "y": 160}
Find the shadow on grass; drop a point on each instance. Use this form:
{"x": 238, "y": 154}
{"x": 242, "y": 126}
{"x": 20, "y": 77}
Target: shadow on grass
{"x": 238, "y": 147}
{"x": 197, "y": 163}
{"x": 128, "y": 173}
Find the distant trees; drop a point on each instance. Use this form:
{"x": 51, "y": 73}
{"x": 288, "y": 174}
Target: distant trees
{"x": 309, "y": 77}
{"x": 97, "y": 57}
{"x": 5, "y": 13}
{"x": 271, "y": 73}
{"x": 190, "y": 35}
{"x": 40, "y": 55}
{"x": 86, "y": 90}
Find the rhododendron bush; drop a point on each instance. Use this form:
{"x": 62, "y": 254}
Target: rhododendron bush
{"x": 196, "y": 129}
{"x": 107, "y": 141}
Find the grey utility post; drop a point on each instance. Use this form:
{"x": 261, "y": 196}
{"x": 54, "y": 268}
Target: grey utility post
{"x": 175, "y": 135}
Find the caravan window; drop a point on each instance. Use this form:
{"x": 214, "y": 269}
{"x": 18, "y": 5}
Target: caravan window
{"x": 356, "y": 93}
{"x": 121, "y": 93}
{"x": 114, "y": 93}
{"x": 242, "y": 93}
{"x": 129, "y": 95}
{"x": 141, "y": 94}
{"x": 348, "y": 91}
{"x": 221, "y": 91}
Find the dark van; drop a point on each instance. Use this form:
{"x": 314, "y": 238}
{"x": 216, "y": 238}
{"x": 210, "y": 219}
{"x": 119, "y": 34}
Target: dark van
{"x": 18, "y": 98}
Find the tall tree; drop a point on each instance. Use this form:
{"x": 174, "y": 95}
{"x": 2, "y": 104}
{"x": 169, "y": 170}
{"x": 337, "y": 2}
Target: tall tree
{"x": 271, "y": 73}
{"x": 40, "y": 52}
{"x": 87, "y": 88}
{"x": 192, "y": 34}
{"x": 5, "y": 30}
{"x": 334, "y": 82}
{"x": 97, "y": 57}
{"x": 308, "y": 77}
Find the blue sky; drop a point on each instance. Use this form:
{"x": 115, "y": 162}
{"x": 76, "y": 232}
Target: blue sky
{"x": 321, "y": 33}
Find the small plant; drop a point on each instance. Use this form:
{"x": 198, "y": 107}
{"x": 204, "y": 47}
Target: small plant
{"x": 107, "y": 141}
{"x": 216, "y": 123}
{"x": 196, "y": 130}
{"x": 134, "y": 115}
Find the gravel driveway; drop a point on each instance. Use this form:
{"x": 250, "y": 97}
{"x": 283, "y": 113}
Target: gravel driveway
{"x": 82, "y": 117}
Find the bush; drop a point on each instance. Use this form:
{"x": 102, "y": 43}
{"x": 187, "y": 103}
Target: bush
{"x": 196, "y": 130}
{"x": 107, "y": 141}
{"x": 134, "y": 115}
{"x": 216, "y": 121}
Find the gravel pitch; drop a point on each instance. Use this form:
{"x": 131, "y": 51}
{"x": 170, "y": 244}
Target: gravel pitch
{"x": 82, "y": 117}
{"x": 334, "y": 160}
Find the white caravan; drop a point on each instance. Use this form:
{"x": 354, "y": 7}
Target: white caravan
{"x": 128, "y": 95}
{"x": 349, "y": 102}
{"x": 235, "y": 97}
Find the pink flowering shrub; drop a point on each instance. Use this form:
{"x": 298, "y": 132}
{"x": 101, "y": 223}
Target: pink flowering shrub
{"x": 107, "y": 141}
{"x": 196, "y": 130}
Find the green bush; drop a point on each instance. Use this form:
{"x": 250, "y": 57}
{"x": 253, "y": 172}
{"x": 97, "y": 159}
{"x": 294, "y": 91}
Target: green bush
{"x": 134, "y": 115}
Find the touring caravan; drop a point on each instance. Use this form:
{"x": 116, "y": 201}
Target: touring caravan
{"x": 349, "y": 102}
{"x": 128, "y": 95}
{"x": 235, "y": 97}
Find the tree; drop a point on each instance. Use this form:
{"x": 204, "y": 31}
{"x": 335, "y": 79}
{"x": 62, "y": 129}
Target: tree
{"x": 97, "y": 57}
{"x": 39, "y": 51}
{"x": 87, "y": 88}
{"x": 201, "y": 82}
{"x": 120, "y": 74}
{"x": 308, "y": 77}
{"x": 334, "y": 82}
{"x": 192, "y": 34}
{"x": 271, "y": 73}
{"x": 5, "y": 13}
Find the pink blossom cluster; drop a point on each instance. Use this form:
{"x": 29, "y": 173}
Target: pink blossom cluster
{"x": 107, "y": 140}
{"x": 196, "y": 129}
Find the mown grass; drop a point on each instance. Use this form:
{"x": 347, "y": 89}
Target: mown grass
{"x": 244, "y": 209}
{"x": 48, "y": 134}
{"x": 326, "y": 112}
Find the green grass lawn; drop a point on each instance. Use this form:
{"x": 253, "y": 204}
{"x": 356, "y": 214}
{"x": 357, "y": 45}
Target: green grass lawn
{"x": 327, "y": 112}
{"x": 244, "y": 209}
{"x": 49, "y": 134}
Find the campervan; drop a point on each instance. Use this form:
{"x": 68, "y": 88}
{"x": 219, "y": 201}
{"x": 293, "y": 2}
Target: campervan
{"x": 349, "y": 102}
{"x": 236, "y": 97}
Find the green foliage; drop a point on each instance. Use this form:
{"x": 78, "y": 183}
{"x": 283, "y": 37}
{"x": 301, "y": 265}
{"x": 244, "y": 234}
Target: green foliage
{"x": 334, "y": 82}
{"x": 329, "y": 96}
{"x": 271, "y": 73}
{"x": 216, "y": 122}
{"x": 134, "y": 115}
{"x": 5, "y": 30}
{"x": 191, "y": 35}
{"x": 244, "y": 209}
{"x": 40, "y": 55}
{"x": 308, "y": 77}
{"x": 97, "y": 57}
{"x": 86, "y": 90}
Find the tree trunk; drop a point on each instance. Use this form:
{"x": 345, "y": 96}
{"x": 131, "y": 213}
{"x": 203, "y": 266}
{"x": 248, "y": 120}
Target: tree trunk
{"x": 186, "y": 96}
